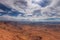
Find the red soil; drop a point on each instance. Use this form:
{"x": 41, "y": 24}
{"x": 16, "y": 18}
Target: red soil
{"x": 9, "y": 31}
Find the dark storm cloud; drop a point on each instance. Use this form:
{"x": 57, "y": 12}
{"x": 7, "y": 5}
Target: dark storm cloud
{"x": 21, "y": 3}
{"x": 37, "y": 13}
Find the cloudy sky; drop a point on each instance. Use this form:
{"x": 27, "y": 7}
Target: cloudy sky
{"x": 30, "y": 10}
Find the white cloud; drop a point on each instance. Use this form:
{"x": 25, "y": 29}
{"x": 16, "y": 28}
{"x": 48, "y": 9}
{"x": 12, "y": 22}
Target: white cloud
{"x": 29, "y": 11}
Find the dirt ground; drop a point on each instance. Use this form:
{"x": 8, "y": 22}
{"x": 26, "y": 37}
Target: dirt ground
{"x": 15, "y": 31}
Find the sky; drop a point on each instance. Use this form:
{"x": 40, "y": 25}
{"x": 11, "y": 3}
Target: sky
{"x": 30, "y": 10}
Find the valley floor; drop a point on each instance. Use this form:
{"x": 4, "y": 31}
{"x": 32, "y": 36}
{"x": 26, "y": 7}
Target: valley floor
{"x": 11, "y": 31}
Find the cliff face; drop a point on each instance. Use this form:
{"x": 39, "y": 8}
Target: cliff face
{"x": 16, "y": 31}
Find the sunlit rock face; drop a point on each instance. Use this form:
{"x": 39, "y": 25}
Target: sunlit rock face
{"x": 30, "y": 10}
